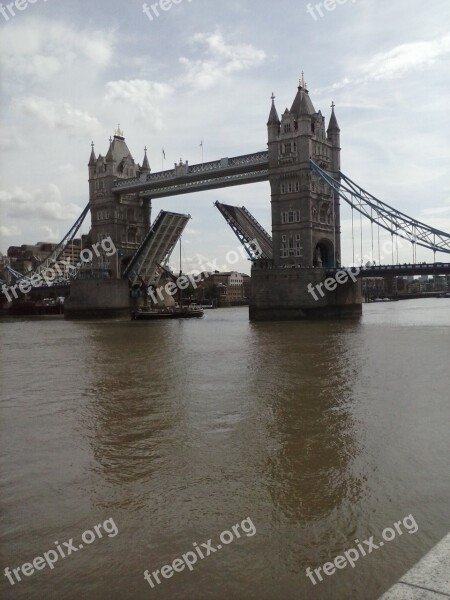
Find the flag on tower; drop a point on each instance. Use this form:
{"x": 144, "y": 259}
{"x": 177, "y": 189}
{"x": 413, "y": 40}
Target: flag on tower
{"x": 164, "y": 153}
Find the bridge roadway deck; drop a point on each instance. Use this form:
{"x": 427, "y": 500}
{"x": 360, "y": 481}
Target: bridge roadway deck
{"x": 184, "y": 179}
{"x": 401, "y": 270}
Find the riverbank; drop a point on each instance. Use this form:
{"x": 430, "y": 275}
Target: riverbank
{"x": 429, "y": 579}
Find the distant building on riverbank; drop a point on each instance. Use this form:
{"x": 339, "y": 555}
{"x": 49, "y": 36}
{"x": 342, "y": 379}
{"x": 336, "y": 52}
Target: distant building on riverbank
{"x": 26, "y": 257}
{"x": 228, "y": 288}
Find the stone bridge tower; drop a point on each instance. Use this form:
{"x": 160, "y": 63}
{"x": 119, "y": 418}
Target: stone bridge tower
{"x": 123, "y": 217}
{"x": 306, "y": 230}
{"x": 305, "y": 213}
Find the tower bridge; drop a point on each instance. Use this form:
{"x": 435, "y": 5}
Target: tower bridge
{"x": 303, "y": 167}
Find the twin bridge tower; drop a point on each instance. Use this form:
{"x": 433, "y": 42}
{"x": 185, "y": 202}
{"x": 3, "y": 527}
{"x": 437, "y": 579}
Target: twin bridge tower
{"x": 306, "y": 236}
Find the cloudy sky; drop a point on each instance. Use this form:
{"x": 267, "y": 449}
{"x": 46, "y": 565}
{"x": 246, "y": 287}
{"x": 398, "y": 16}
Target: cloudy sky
{"x": 71, "y": 70}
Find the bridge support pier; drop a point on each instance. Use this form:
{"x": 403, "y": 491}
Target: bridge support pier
{"x": 280, "y": 294}
{"x": 391, "y": 286}
{"x": 98, "y": 299}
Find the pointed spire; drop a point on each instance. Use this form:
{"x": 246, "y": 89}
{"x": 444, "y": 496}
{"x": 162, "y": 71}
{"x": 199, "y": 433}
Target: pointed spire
{"x": 92, "y": 159}
{"x": 302, "y": 93}
{"x": 273, "y": 117}
{"x": 304, "y": 107}
{"x": 333, "y": 125}
{"x": 109, "y": 154}
{"x": 145, "y": 164}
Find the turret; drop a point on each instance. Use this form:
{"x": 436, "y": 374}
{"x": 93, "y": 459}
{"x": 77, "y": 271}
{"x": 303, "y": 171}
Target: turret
{"x": 334, "y": 137}
{"x": 274, "y": 122}
{"x": 145, "y": 164}
{"x": 333, "y": 131}
{"x": 92, "y": 162}
{"x": 273, "y": 127}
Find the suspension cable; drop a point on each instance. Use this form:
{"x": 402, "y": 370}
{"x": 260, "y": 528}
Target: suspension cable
{"x": 371, "y": 227}
{"x": 361, "y": 228}
{"x": 353, "y": 236}
{"x": 379, "y": 248}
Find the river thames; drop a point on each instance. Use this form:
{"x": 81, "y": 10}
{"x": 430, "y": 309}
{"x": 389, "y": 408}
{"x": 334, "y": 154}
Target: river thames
{"x": 319, "y": 433}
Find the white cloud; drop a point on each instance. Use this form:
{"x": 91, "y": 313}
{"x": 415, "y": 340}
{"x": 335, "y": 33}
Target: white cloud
{"x": 9, "y": 231}
{"x": 398, "y": 61}
{"x": 50, "y": 235}
{"x": 44, "y": 203}
{"x": 144, "y": 96}
{"x": 10, "y": 138}
{"x": 222, "y": 60}
{"x": 406, "y": 57}
{"x": 35, "y": 51}
{"x": 60, "y": 115}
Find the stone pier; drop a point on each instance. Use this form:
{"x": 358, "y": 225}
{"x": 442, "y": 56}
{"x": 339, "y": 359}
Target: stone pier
{"x": 282, "y": 295}
{"x": 98, "y": 299}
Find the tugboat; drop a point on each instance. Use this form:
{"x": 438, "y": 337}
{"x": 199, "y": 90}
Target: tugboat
{"x": 192, "y": 311}
{"x": 151, "y": 314}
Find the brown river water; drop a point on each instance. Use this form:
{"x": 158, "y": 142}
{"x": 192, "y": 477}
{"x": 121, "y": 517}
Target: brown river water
{"x": 317, "y": 434}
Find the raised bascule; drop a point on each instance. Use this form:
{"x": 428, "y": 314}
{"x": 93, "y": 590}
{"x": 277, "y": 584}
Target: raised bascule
{"x": 302, "y": 166}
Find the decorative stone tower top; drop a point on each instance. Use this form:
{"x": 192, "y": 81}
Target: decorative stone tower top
{"x": 125, "y": 218}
